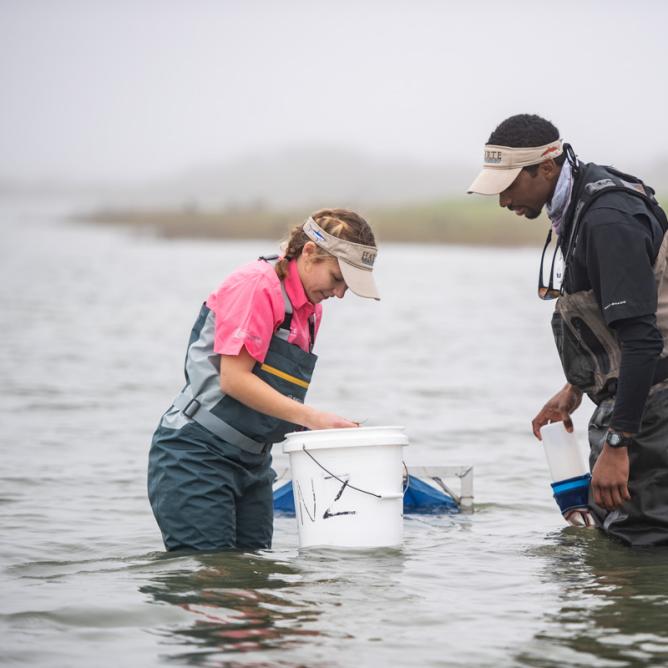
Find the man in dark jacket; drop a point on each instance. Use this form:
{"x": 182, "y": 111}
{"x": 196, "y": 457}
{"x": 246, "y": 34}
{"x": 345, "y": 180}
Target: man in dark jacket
{"x": 611, "y": 316}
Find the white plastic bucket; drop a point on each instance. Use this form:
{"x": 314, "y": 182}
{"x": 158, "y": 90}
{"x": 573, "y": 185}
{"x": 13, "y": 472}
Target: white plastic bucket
{"x": 347, "y": 485}
{"x": 563, "y": 453}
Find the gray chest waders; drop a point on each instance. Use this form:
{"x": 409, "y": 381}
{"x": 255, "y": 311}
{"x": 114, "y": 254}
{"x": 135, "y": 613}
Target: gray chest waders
{"x": 287, "y": 368}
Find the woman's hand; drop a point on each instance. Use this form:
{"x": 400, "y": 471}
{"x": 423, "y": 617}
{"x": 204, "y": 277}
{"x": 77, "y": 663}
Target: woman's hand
{"x": 558, "y": 409}
{"x": 316, "y": 419}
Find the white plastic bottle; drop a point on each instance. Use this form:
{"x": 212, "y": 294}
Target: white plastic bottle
{"x": 569, "y": 473}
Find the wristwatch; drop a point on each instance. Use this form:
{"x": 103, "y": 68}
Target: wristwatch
{"x": 615, "y": 439}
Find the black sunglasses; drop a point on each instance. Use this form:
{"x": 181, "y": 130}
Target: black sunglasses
{"x": 548, "y": 291}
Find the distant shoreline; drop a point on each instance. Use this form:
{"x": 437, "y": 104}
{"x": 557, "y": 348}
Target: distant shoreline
{"x": 472, "y": 221}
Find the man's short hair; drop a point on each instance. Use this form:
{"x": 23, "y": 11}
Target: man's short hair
{"x": 526, "y": 130}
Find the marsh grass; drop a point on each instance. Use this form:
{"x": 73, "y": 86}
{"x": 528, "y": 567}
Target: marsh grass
{"x": 467, "y": 220}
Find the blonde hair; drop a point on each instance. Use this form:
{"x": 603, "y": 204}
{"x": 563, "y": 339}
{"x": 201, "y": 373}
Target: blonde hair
{"x": 340, "y": 223}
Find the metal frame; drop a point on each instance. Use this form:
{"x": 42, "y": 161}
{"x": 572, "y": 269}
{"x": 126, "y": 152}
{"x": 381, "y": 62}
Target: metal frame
{"x": 436, "y": 473}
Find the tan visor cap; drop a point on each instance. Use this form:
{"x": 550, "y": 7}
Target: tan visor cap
{"x": 355, "y": 260}
{"x": 502, "y": 164}
{"x": 360, "y": 281}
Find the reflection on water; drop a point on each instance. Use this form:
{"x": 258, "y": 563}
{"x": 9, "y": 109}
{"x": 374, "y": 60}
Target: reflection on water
{"x": 236, "y": 603}
{"x": 242, "y": 603}
{"x": 613, "y": 603}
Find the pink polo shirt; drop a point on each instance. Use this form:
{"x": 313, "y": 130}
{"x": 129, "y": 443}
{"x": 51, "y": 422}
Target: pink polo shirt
{"x": 248, "y": 308}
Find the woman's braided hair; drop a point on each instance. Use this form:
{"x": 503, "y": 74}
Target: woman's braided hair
{"x": 340, "y": 223}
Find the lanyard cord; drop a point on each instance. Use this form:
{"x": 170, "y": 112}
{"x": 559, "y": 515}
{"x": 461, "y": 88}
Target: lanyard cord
{"x": 343, "y": 482}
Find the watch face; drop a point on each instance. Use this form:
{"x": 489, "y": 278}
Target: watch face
{"x": 614, "y": 439}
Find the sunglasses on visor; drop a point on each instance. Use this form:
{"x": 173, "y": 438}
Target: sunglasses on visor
{"x": 550, "y": 291}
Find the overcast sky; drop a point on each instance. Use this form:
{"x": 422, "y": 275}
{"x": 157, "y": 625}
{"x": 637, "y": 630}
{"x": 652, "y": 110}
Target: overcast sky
{"x": 137, "y": 89}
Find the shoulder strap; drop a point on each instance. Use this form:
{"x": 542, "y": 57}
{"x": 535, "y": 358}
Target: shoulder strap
{"x": 615, "y": 182}
{"x": 283, "y": 330}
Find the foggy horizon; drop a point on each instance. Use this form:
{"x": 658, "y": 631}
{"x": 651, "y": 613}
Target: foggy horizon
{"x": 134, "y": 93}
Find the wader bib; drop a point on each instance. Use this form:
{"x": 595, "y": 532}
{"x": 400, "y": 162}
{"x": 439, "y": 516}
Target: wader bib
{"x": 210, "y": 477}
{"x": 591, "y": 355}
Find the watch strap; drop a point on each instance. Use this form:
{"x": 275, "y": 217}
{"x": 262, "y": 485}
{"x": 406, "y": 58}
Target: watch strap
{"x": 615, "y": 439}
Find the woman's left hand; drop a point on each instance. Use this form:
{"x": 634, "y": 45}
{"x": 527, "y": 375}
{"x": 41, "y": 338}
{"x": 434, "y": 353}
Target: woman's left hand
{"x": 321, "y": 420}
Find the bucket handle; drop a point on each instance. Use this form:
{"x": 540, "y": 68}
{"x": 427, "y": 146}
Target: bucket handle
{"x": 392, "y": 495}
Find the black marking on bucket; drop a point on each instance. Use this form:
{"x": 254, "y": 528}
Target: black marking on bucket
{"x": 302, "y": 504}
{"x": 327, "y": 514}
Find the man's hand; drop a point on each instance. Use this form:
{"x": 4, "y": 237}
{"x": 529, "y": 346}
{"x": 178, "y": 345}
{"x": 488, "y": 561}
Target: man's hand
{"x": 579, "y": 517}
{"x": 558, "y": 409}
{"x": 609, "y": 481}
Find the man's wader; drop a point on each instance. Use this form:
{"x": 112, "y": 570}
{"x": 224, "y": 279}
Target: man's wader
{"x": 209, "y": 475}
{"x": 590, "y": 355}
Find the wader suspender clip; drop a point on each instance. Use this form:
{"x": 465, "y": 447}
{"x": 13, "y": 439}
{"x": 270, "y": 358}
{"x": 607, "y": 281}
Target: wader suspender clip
{"x": 190, "y": 407}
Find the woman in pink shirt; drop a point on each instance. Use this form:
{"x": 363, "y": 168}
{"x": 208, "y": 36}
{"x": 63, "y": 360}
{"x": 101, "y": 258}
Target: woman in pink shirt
{"x": 248, "y": 366}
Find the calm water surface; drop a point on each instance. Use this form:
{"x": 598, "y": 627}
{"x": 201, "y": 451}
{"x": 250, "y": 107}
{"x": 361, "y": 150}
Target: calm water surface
{"x": 94, "y": 325}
